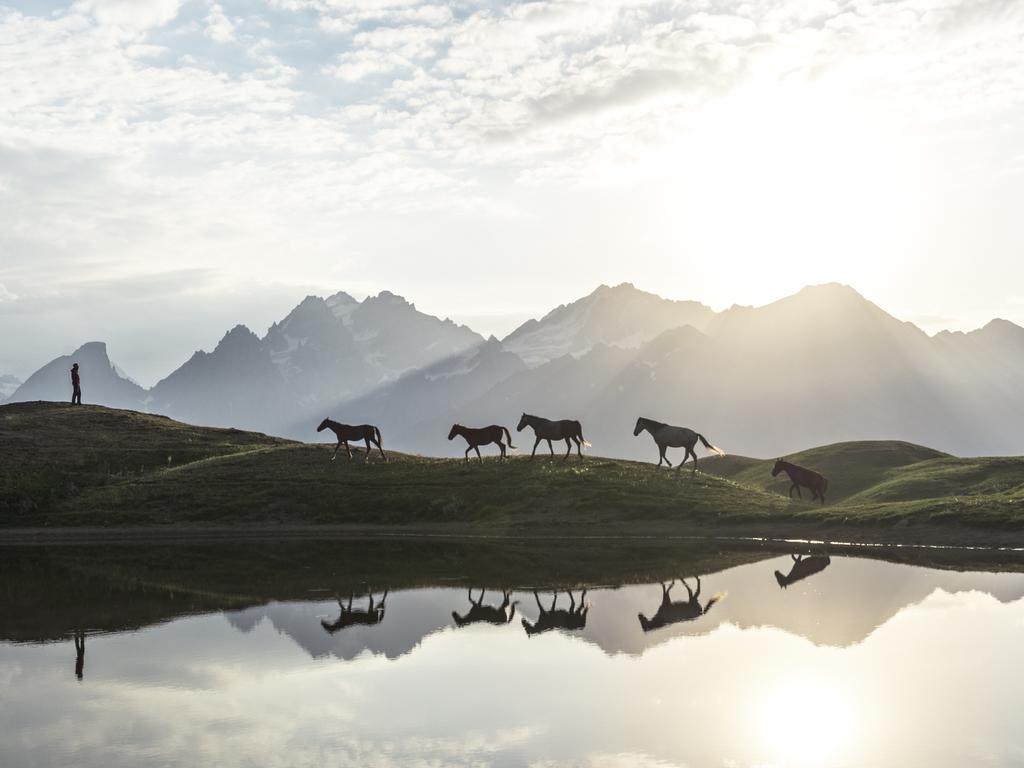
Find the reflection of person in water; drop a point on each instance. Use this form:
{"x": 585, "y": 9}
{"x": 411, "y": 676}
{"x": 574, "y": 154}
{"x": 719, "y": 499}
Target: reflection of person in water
{"x": 492, "y": 614}
{"x": 673, "y": 612}
{"x": 76, "y": 386}
{"x": 374, "y": 614}
{"x": 575, "y": 617}
{"x": 79, "y": 653}
{"x": 803, "y": 566}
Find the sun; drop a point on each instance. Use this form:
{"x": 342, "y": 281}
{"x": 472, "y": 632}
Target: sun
{"x": 803, "y": 721}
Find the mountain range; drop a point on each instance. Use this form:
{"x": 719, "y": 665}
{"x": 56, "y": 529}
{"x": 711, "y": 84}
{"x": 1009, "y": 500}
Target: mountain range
{"x": 821, "y": 366}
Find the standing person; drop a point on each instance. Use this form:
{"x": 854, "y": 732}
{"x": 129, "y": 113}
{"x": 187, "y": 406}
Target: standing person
{"x": 76, "y": 386}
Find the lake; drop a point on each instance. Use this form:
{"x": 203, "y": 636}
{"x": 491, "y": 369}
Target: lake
{"x": 677, "y": 654}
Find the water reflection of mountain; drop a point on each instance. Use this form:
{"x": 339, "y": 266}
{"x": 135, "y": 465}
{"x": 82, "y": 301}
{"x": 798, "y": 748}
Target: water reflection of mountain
{"x": 838, "y": 605}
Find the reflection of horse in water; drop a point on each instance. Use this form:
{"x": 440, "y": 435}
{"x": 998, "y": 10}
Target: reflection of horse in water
{"x": 575, "y": 617}
{"x": 346, "y": 432}
{"x": 491, "y": 614}
{"x": 803, "y": 566}
{"x": 545, "y": 429}
{"x": 673, "y": 612}
{"x": 374, "y": 614}
{"x": 79, "y": 653}
{"x": 666, "y": 436}
{"x": 799, "y": 477}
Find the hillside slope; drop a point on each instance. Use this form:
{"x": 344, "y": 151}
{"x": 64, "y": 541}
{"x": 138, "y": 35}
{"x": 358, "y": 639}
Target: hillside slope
{"x": 63, "y": 466}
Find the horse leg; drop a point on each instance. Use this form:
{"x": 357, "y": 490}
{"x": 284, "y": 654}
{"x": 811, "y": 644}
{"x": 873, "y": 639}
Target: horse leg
{"x": 694, "y": 454}
{"x": 381, "y": 449}
{"x": 535, "y": 444}
{"x": 568, "y": 448}
{"x": 551, "y": 448}
{"x": 579, "y": 446}
{"x": 367, "y": 449}
{"x": 501, "y": 447}
{"x": 348, "y": 451}
{"x": 336, "y": 449}
{"x": 798, "y": 492}
{"x": 477, "y": 449}
{"x": 470, "y": 448}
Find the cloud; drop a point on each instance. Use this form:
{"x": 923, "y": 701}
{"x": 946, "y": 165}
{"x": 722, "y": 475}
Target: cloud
{"x": 131, "y": 14}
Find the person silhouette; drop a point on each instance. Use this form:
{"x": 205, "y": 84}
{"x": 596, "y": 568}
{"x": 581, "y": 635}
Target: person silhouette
{"x": 76, "y": 386}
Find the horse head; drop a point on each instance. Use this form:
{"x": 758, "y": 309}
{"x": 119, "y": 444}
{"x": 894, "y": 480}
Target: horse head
{"x": 639, "y": 426}
{"x": 778, "y": 467}
{"x": 454, "y": 431}
{"x": 522, "y": 423}
{"x": 323, "y": 425}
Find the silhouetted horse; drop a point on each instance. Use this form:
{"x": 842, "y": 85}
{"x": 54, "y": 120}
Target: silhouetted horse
{"x": 667, "y": 436}
{"x": 79, "y": 653}
{"x": 803, "y": 566}
{"x": 548, "y": 430}
{"x": 492, "y": 614}
{"x": 672, "y": 613}
{"x": 482, "y": 436}
{"x": 346, "y": 432}
{"x": 374, "y": 614}
{"x": 801, "y": 476}
{"x": 573, "y": 618}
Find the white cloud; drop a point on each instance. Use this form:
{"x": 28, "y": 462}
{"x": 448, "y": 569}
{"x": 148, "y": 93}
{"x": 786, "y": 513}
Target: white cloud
{"x": 131, "y": 14}
{"x": 218, "y": 26}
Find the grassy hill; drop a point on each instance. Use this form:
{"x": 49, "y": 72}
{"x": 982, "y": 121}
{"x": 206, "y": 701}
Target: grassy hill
{"x": 95, "y": 467}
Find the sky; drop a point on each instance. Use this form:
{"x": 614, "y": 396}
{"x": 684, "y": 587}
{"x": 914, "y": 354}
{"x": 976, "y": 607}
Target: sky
{"x": 171, "y": 168}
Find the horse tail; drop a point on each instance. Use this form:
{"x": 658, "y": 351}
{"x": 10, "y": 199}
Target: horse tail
{"x": 714, "y": 449}
{"x": 579, "y": 431}
{"x": 714, "y": 599}
{"x": 508, "y": 436}
{"x": 377, "y": 433}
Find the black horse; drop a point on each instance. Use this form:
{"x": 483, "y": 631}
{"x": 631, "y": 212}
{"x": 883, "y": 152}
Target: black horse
{"x": 575, "y": 617}
{"x": 481, "y": 436}
{"x": 673, "y": 612}
{"x": 667, "y": 436}
{"x": 346, "y": 432}
{"x": 374, "y": 614}
{"x": 803, "y": 566}
{"x": 816, "y": 483}
{"x": 545, "y": 429}
{"x": 491, "y": 614}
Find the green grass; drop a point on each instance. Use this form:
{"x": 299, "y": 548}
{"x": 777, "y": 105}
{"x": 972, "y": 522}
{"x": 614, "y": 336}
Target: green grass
{"x": 63, "y": 467}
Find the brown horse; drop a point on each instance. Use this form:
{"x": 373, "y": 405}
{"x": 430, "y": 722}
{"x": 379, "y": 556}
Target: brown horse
{"x": 545, "y": 429}
{"x": 491, "y": 614}
{"x": 670, "y": 612}
{"x": 803, "y": 566}
{"x": 801, "y": 476}
{"x": 346, "y": 432}
{"x": 374, "y": 614}
{"x": 559, "y": 618}
{"x": 482, "y": 436}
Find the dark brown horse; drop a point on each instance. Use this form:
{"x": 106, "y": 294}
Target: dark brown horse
{"x": 482, "y": 436}
{"x": 674, "y": 612}
{"x": 491, "y": 614}
{"x": 575, "y": 617}
{"x": 803, "y": 566}
{"x": 346, "y": 432}
{"x": 374, "y": 614}
{"x": 801, "y": 476}
{"x": 667, "y": 436}
{"x": 545, "y": 429}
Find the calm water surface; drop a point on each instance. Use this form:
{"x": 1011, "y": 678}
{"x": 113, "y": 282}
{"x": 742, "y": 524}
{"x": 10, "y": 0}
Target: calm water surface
{"x": 147, "y": 659}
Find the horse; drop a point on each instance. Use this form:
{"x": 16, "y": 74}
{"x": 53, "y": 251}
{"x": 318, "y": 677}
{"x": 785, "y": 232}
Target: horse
{"x": 491, "y": 614}
{"x": 545, "y": 429}
{"x": 346, "y": 432}
{"x": 482, "y": 436}
{"x": 374, "y": 614}
{"x": 816, "y": 483}
{"x": 667, "y": 436}
{"x": 803, "y": 566}
{"x": 573, "y": 618}
{"x": 673, "y": 612}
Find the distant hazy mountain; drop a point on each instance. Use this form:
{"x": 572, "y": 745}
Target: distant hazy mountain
{"x": 7, "y": 386}
{"x": 102, "y": 382}
{"x": 824, "y": 365}
{"x": 324, "y": 352}
{"x": 621, "y": 316}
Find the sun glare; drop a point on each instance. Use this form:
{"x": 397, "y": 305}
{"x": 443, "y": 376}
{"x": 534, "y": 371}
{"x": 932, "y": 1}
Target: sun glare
{"x": 781, "y": 184}
{"x": 805, "y": 721}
